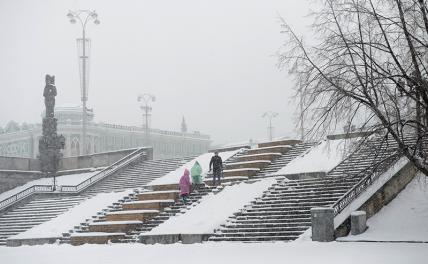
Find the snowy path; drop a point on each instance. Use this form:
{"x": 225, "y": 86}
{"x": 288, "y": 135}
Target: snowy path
{"x": 404, "y": 219}
{"x": 210, "y": 253}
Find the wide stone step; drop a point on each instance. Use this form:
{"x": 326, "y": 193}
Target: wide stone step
{"x": 248, "y": 172}
{"x": 244, "y": 238}
{"x": 300, "y": 224}
{"x": 270, "y": 149}
{"x": 261, "y": 156}
{"x": 305, "y": 195}
{"x": 37, "y": 210}
{"x": 258, "y": 164}
{"x": 210, "y": 182}
{"x": 27, "y": 218}
{"x": 263, "y": 210}
{"x": 12, "y": 229}
{"x": 20, "y": 222}
{"x": 160, "y": 195}
{"x": 280, "y": 217}
{"x": 279, "y": 204}
{"x": 31, "y": 214}
{"x": 77, "y": 239}
{"x": 148, "y": 204}
{"x": 267, "y": 233}
{"x": 140, "y": 215}
{"x": 290, "y": 230}
{"x": 311, "y": 188}
{"x": 114, "y": 226}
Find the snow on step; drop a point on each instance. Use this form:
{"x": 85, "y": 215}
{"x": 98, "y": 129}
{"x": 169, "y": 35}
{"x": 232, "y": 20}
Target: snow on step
{"x": 321, "y": 158}
{"x": 94, "y": 234}
{"x": 151, "y": 201}
{"x": 261, "y": 155}
{"x": 73, "y": 217}
{"x": 204, "y": 160}
{"x": 241, "y": 170}
{"x": 133, "y": 212}
{"x": 217, "y": 206}
{"x": 248, "y": 162}
{"x": 132, "y": 222}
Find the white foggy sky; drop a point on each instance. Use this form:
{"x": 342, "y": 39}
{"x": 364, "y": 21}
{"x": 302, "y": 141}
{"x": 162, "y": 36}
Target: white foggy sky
{"x": 210, "y": 61}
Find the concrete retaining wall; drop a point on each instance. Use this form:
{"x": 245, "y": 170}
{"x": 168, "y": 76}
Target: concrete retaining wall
{"x": 17, "y": 163}
{"x": 94, "y": 160}
{"x": 12, "y": 179}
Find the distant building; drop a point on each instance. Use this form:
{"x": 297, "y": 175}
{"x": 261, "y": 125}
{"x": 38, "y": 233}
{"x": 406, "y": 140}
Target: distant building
{"x": 101, "y": 137}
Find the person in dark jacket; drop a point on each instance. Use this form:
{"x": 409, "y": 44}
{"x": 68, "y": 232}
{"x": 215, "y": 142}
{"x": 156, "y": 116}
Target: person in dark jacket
{"x": 217, "y": 165}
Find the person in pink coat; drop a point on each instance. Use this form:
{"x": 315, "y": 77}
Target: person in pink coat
{"x": 185, "y": 186}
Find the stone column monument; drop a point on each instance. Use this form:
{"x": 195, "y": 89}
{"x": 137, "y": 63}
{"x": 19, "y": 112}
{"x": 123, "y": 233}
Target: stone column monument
{"x": 50, "y": 144}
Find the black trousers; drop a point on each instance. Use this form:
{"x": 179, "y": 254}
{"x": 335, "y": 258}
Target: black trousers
{"x": 216, "y": 175}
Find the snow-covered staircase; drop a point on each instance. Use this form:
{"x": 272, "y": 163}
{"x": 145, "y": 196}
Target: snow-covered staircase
{"x": 292, "y": 153}
{"x": 283, "y": 212}
{"x": 40, "y": 209}
{"x": 257, "y": 162}
{"x": 138, "y": 175}
{"x": 125, "y": 220}
{"x": 35, "y": 212}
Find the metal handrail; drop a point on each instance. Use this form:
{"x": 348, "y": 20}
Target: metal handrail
{"x": 73, "y": 188}
{"x": 362, "y": 185}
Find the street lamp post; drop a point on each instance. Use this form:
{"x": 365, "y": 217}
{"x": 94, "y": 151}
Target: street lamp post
{"x": 83, "y": 46}
{"x": 145, "y": 100}
{"x": 270, "y": 115}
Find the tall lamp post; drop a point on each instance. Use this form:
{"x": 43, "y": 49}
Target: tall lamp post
{"x": 269, "y": 115}
{"x": 83, "y": 51}
{"x": 145, "y": 100}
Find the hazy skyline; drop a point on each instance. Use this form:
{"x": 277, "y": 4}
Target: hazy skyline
{"x": 211, "y": 62}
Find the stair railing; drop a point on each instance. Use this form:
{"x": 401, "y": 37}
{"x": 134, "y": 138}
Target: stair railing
{"x": 363, "y": 184}
{"x": 35, "y": 189}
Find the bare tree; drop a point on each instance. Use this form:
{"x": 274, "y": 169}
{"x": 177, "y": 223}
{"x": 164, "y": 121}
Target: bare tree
{"x": 366, "y": 65}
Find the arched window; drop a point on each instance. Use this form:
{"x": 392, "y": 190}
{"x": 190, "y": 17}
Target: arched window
{"x": 75, "y": 148}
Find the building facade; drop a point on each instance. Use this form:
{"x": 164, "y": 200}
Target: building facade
{"x": 101, "y": 137}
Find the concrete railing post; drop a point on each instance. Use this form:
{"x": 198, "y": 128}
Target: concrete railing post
{"x": 358, "y": 222}
{"x": 322, "y": 220}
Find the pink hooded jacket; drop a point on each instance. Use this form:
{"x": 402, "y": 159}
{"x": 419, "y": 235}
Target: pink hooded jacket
{"x": 185, "y": 183}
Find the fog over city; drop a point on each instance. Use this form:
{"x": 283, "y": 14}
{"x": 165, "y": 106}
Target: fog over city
{"x": 212, "y": 62}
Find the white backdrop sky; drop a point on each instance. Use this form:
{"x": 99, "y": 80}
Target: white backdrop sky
{"x": 210, "y": 61}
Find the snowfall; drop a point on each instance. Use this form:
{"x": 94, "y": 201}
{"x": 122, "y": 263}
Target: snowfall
{"x": 394, "y": 234}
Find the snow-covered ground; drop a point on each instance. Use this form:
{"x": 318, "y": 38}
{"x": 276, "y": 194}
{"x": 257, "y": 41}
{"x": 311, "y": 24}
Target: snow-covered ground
{"x": 71, "y": 179}
{"x": 404, "y": 219}
{"x": 213, "y": 209}
{"x": 66, "y": 221}
{"x": 321, "y": 158}
{"x": 214, "y": 253}
{"x": 204, "y": 160}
